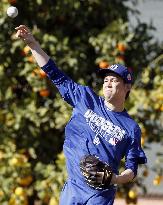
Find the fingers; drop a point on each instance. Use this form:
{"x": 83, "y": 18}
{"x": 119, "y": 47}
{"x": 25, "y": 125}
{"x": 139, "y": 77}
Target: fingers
{"x": 22, "y": 30}
{"x": 22, "y": 27}
{"x": 17, "y": 35}
{"x": 21, "y": 34}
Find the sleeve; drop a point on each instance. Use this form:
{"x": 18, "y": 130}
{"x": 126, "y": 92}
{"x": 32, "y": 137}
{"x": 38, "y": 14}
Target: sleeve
{"x": 69, "y": 90}
{"x": 134, "y": 153}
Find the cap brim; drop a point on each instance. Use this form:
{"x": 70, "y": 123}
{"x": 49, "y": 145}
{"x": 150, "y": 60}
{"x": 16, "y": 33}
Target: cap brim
{"x": 103, "y": 72}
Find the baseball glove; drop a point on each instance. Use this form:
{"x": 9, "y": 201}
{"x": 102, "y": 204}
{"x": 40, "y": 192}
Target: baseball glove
{"x": 97, "y": 174}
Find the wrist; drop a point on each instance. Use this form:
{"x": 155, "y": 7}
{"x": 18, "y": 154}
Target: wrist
{"x": 125, "y": 177}
{"x": 114, "y": 179}
{"x": 33, "y": 45}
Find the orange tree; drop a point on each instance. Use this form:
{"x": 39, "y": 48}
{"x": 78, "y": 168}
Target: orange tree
{"x": 80, "y": 35}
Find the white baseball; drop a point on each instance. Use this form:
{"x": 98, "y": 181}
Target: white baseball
{"x": 12, "y": 11}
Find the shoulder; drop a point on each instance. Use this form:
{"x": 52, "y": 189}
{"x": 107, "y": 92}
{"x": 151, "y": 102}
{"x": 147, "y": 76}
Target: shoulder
{"x": 130, "y": 119}
{"x": 134, "y": 126}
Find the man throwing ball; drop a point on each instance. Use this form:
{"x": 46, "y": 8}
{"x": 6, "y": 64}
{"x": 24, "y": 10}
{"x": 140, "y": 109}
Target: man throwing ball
{"x": 99, "y": 134}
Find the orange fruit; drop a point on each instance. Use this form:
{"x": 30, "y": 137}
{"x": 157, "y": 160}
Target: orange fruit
{"x": 19, "y": 191}
{"x": 142, "y": 141}
{"x": 26, "y": 50}
{"x": 1, "y": 193}
{"x": 161, "y": 108}
{"x": 119, "y": 59}
{"x": 30, "y": 59}
{"x": 44, "y": 92}
{"x": 103, "y": 64}
{"x": 36, "y": 71}
{"x": 12, "y": 200}
{"x": 157, "y": 180}
{"x": 42, "y": 73}
{"x": 53, "y": 201}
{"x": 132, "y": 194}
{"x": 121, "y": 47}
{"x": 145, "y": 173}
{"x": 14, "y": 161}
{"x": 39, "y": 72}
{"x": 18, "y": 160}
{"x": 25, "y": 181}
{"x": 1, "y": 155}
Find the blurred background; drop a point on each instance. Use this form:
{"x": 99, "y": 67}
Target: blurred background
{"x": 81, "y": 36}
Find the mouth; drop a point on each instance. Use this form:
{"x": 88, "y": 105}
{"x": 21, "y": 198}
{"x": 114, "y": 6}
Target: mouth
{"x": 108, "y": 89}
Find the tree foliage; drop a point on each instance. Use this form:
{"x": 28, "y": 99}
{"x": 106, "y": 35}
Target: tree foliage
{"x": 81, "y": 36}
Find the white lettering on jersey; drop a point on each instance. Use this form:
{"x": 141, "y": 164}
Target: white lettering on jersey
{"x": 103, "y": 128}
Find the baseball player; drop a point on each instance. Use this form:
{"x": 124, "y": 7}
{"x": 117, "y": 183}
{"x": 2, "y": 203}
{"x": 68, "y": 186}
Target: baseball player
{"x": 98, "y": 135}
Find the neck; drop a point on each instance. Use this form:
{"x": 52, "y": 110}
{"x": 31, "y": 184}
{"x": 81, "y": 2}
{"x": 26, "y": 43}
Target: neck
{"x": 117, "y": 107}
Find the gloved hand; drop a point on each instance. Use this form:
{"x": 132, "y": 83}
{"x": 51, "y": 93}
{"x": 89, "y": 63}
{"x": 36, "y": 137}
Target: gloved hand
{"x": 96, "y": 173}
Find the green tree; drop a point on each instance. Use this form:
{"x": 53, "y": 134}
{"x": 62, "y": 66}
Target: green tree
{"x": 81, "y": 35}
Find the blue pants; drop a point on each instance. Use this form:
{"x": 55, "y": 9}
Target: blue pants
{"x": 76, "y": 194}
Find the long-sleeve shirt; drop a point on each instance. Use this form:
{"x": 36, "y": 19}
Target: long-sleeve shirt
{"x": 94, "y": 129}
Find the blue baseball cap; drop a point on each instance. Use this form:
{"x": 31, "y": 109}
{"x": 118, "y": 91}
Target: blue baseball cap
{"x": 120, "y": 70}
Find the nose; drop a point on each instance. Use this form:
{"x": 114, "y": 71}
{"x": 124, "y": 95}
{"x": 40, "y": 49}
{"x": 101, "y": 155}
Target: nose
{"x": 109, "y": 83}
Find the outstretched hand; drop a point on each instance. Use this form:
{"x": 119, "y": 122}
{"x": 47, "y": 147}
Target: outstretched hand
{"x": 24, "y": 33}
{"x": 40, "y": 56}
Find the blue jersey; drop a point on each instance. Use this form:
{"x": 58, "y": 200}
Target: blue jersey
{"x": 94, "y": 129}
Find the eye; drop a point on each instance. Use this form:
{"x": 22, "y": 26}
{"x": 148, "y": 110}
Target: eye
{"x": 115, "y": 80}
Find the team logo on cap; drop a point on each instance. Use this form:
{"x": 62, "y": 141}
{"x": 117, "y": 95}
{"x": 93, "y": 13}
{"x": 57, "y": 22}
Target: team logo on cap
{"x": 113, "y": 67}
{"x": 128, "y": 77}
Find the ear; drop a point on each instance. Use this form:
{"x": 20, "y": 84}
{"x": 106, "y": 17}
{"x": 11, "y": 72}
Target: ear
{"x": 128, "y": 87}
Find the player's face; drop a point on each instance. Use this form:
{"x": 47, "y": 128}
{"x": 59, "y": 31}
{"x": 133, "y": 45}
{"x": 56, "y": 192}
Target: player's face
{"x": 114, "y": 88}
